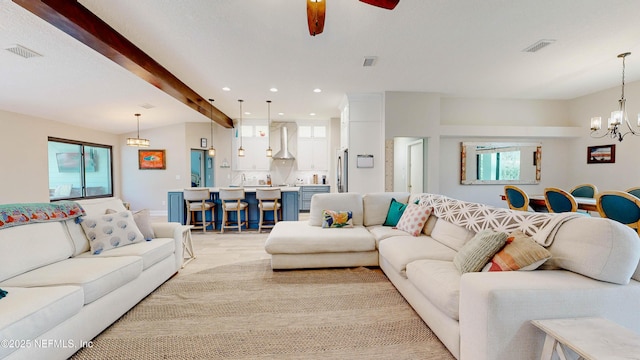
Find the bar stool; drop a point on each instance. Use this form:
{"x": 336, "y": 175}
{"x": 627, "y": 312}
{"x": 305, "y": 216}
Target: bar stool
{"x": 268, "y": 200}
{"x": 196, "y": 200}
{"x": 231, "y": 200}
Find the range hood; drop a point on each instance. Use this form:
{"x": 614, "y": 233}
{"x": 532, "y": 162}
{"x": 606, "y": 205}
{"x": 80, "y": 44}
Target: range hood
{"x": 284, "y": 153}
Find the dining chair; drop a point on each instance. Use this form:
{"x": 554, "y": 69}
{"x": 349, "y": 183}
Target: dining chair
{"x": 584, "y": 190}
{"x": 268, "y": 200}
{"x": 558, "y": 200}
{"x": 196, "y": 201}
{"x": 231, "y": 200}
{"x": 635, "y": 191}
{"x": 517, "y": 199}
{"x": 621, "y": 207}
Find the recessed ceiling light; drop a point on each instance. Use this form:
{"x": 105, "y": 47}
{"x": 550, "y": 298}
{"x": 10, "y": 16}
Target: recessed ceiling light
{"x": 317, "y": 90}
{"x": 312, "y": 114}
{"x": 273, "y": 90}
{"x": 226, "y": 88}
{"x": 281, "y": 114}
{"x": 247, "y": 113}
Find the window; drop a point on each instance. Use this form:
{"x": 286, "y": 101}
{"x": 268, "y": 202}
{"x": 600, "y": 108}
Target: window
{"x": 79, "y": 170}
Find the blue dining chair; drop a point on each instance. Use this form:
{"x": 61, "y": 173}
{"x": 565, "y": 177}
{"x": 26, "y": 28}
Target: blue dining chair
{"x": 635, "y": 191}
{"x": 517, "y": 199}
{"x": 621, "y": 207}
{"x": 558, "y": 200}
{"x": 584, "y": 190}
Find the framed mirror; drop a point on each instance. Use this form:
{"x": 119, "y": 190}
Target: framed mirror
{"x": 500, "y": 163}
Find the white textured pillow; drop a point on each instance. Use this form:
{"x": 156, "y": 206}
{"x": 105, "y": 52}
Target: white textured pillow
{"x": 111, "y": 231}
{"x": 478, "y": 251}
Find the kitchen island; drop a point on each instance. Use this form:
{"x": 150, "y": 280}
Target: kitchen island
{"x": 290, "y": 206}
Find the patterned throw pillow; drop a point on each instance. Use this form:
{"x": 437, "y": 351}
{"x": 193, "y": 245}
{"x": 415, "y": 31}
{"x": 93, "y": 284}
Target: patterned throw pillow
{"x": 142, "y": 219}
{"x": 110, "y": 231}
{"x": 336, "y": 219}
{"x": 520, "y": 253}
{"x": 413, "y": 219}
{"x": 479, "y": 250}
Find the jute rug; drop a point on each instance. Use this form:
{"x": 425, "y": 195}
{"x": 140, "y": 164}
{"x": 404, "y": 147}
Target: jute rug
{"x": 247, "y": 311}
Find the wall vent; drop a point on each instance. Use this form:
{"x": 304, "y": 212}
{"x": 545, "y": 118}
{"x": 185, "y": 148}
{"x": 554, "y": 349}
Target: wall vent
{"x": 22, "y": 51}
{"x": 369, "y": 61}
{"x": 539, "y": 45}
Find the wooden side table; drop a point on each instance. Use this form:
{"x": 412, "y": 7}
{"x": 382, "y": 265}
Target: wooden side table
{"x": 187, "y": 245}
{"x": 591, "y": 338}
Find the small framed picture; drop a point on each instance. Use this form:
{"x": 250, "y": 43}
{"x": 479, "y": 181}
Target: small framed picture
{"x": 601, "y": 154}
{"x": 152, "y": 160}
{"x": 203, "y": 142}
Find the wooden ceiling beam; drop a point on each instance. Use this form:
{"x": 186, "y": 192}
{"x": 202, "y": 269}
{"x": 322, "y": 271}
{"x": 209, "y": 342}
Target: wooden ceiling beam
{"x": 76, "y": 20}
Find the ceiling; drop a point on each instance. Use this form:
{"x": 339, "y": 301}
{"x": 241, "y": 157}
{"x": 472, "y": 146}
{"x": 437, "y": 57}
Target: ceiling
{"x": 463, "y": 48}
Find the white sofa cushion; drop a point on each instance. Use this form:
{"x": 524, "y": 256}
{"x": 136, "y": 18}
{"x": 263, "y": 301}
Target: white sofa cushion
{"x": 376, "y": 206}
{"x": 337, "y": 202}
{"x": 27, "y": 313}
{"x": 151, "y": 252}
{"x": 298, "y": 237}
{"x": 438, "y": 281}
{"x": 96, "y": 276}
{"x": 26, "y": 247}
{"x": 452, "y": 235}
{"x": 401, "y": 250}
{"x": 599, "y": 248}
{"x": 381, "y": 232}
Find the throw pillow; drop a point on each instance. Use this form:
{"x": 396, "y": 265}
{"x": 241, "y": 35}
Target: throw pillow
{"x": 396, "y": 209}
{"x": 337, "y": 219}
{"x": 413, "y": 219}
{"x": 479, "y": 250}
{"x": 142, "y": 219}
{"x": 3, "y": 293}
{"x": 520, "y": 253}
{"x": 110, "y": 231}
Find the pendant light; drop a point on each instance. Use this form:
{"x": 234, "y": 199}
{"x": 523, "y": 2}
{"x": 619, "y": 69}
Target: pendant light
{"x": 137, "y": 141}
{"x": 269, "y": 151}
{"x": 240, "y": 149}
{"x": 212, "y": 150}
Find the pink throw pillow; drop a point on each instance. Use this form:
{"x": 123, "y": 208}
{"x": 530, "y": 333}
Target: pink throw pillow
{"x": 413, "y": 219}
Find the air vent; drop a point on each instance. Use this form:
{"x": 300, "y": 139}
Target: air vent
{"x": 369, "y": 61}
{"x": 147, "y": 106}
{"x": 22, "y": 51}
{"x": 539, "y": 45}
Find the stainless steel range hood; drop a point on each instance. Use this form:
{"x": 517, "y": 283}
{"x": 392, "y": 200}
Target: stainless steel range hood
{"x": 284, "y": 153}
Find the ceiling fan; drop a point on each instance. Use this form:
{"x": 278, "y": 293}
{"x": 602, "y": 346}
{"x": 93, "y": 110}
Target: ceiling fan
{"x": 316, "y": 12}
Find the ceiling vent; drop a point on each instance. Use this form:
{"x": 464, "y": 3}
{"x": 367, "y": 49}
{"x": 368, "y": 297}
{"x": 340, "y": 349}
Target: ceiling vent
{"x": 369, "y": 61}
{"x": 22, "y": 51}
{"x": 147, "y": 106}
{"x": 539, "y": 45}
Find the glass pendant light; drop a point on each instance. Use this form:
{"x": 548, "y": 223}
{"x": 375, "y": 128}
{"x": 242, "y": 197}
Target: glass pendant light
{"x": 240, "y": 149}
{"x": 269, "y": 151}
{"x": 212, "y": 150}
{"x": 137, "y": 141}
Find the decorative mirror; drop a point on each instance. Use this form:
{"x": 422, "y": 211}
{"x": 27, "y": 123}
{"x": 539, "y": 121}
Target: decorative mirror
{"x": 500, "y": 163}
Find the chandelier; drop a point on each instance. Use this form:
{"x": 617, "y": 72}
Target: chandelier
{"x": 137, "y": 141}
{"x": 614, "y": 129}
{"x": 212, "y": 150}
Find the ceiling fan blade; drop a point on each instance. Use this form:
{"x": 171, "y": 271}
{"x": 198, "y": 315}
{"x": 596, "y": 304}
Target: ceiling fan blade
{"x": 315, "y": 16}
{"x": 385, "y": 4}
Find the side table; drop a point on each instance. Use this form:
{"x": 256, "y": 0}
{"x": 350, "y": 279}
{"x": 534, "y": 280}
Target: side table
{"x": 591, "y": 338}
{"x": 187, "y": 245}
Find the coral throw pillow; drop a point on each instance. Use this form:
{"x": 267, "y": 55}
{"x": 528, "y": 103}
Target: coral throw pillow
{"x": 520, "y": 253}
{"x": 337, "y": 219}
{"x": 413, "y": 219}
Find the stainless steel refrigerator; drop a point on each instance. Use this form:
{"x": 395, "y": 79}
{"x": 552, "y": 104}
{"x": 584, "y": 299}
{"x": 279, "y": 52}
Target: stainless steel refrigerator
{"x": 343, "y": 170}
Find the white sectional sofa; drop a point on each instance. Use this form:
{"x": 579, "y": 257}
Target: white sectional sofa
{"x": 593, "y": 269}
{"x": 60, "y": 295}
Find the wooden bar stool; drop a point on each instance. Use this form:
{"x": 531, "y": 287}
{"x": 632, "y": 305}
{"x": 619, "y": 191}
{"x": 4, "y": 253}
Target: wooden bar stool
{"x": 196, "y": 201}
{"x": 268, "y": 200}
{"x": 231, "y": 200}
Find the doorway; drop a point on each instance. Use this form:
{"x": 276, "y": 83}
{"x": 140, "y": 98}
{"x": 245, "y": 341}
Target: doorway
{"x": 415, "y": 167}
{"x": 409, "y": 166}
{"x": 202, "y": 168}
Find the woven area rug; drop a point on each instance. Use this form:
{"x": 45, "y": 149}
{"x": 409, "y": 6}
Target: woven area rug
{"x": 248, "y": 311}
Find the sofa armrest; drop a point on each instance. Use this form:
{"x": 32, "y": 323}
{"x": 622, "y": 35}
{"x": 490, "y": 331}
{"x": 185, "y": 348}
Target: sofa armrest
{"x": 496, "y": 309}
{"x": 165, "y": 229}
{"x": 177, "y": 232}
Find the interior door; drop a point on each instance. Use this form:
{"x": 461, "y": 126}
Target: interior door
{"x": 415, "y": 166}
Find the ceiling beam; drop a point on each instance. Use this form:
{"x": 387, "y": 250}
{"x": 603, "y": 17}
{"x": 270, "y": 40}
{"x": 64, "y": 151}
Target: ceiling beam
{"x": 76, "y": 20}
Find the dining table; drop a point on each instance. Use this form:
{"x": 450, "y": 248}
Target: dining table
{"x": 538, "y": 203}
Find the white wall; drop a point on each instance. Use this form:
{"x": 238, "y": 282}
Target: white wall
{"x": 24, "y": 174}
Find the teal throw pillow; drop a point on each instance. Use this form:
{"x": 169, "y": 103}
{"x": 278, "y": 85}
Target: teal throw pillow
{"x": 396, "y": 209}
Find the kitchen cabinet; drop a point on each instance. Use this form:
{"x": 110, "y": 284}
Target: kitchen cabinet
{"x": 307, "y": 191}
{"x": 255, "y": 141}
{"x": 313, "y": 146}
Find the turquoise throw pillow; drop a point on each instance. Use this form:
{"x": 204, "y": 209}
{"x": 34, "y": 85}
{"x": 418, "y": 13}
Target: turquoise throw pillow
{"x": 396, "y": 209}
{"x": 3, "y": 293}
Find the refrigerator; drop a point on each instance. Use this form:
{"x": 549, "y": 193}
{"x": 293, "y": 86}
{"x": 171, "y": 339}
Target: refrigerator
{"x": 342, "y": 170}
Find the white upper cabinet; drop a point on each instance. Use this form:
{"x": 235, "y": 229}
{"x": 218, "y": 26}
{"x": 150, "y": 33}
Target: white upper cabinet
{"x": 255, "y": 141}
{"x": 313, "y": 146}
